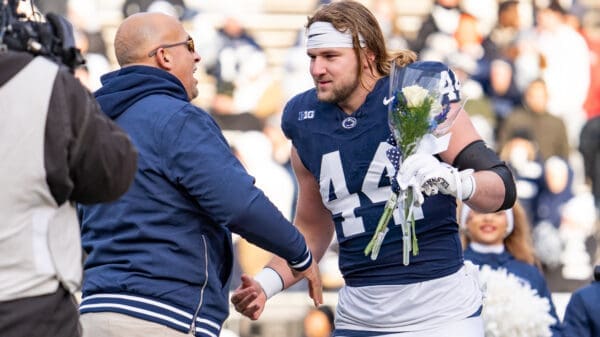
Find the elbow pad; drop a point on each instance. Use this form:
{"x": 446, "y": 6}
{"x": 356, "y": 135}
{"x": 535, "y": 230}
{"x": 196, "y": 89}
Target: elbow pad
{"x": 479, "y": 157}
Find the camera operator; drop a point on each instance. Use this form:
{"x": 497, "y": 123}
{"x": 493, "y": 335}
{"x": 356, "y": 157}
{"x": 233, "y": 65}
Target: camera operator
{"x": 56, "y": 148}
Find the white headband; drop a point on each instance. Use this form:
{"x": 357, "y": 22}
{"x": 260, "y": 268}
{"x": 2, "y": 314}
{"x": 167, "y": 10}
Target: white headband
{"x": 325, "y": 35}
{"x": 510, "y": 219}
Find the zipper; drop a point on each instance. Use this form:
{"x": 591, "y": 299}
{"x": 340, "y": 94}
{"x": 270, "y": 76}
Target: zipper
{"x": 193, "y": 326}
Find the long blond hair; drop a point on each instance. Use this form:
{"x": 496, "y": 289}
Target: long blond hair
{"x": 519, "y": 242}
{"x": 353, "y": 17}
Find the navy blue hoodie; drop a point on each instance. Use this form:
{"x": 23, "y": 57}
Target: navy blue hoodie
{"x": 163, "y": 251}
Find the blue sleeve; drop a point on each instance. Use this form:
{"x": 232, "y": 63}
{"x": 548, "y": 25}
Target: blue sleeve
{"x": 577, "y": 321}
{"x": 200, "y": 162}
{"x": 300, "y": 108}
{"x": 287, "y": 125}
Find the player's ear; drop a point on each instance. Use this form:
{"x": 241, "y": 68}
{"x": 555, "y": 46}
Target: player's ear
{"x": 369, "y": 58}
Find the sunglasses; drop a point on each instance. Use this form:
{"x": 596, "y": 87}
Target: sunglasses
{"x": 189, "y": 43}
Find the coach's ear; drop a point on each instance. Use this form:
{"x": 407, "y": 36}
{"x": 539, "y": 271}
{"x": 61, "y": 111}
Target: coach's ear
{"x": 164, "y": 59}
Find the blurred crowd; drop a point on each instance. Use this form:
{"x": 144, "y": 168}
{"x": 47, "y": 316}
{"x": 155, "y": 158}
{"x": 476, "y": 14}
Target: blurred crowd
{"x": 530, "y": 73}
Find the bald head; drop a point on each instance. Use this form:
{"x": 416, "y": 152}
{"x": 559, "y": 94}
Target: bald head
{"x": 138, "y": 34}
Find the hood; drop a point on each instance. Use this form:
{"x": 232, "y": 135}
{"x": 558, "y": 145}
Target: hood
{"x": 124, "y": 87}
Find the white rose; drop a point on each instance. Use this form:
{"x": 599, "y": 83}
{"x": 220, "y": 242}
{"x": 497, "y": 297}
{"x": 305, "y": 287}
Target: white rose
{"x": 415, "y": 95}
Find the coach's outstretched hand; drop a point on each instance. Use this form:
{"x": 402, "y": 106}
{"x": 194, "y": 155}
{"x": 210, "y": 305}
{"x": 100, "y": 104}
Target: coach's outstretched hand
{"x": 249, "y": 298}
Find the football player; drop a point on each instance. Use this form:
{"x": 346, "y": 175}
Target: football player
{"x": 339, "y": 131}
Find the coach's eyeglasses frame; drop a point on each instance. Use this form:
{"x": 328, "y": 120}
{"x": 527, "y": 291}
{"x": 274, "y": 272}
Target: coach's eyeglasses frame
{"x": 189, "y": 43}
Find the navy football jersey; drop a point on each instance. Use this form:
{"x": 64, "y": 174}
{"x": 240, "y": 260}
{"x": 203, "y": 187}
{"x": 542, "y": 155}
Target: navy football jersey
{"x": 347, "y": 156}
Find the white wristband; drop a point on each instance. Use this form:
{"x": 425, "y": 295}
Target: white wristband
{"x": 269, "y": 281}
{"x": 468, "y": 187}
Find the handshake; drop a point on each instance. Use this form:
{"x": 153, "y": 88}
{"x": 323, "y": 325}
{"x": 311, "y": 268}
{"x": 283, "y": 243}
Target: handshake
{"x": 425, "y": 173}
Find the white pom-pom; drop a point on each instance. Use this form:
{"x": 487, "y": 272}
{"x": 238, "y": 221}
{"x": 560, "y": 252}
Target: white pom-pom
{"x": 547, "y": 244}
{"x": 511, "y": 308}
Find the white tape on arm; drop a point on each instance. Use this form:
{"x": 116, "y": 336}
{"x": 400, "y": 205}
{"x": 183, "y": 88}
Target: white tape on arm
{"x": 468, "y": 185}
{"x": 269, "y": 281}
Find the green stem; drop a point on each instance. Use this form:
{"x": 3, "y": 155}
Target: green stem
{"x": 415, "y": 244}
{"x": 407, "y": 206}
{"x": 383, "y": 221}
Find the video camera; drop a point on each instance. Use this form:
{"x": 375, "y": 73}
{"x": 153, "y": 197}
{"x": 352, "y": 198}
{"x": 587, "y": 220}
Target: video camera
{"x": 52, "y": 38}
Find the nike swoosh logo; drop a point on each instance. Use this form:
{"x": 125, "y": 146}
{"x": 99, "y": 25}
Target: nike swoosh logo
{"x": 387, "y": 101}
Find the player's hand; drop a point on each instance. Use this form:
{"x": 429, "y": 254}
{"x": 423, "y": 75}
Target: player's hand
{"x": 249, "y": 299}
{"x": 315, "y": 288}
{"x": 427, "y": 173}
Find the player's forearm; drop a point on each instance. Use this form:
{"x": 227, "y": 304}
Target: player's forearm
{"x": 317, "y": 244}
{"x": 489, "y": 194}
{"x": 285, "y": 273}
{"x": 277, "y": 275}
